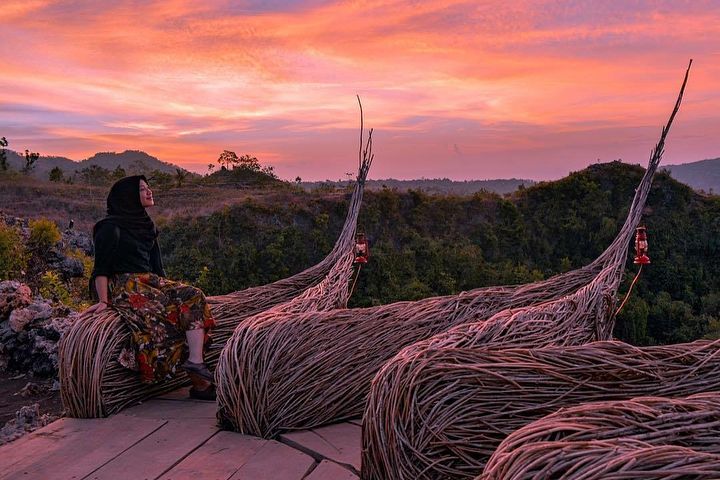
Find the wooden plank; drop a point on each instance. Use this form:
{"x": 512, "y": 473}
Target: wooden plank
{"x": 275, "y": 461}
{"x": 341, "y": 443}
{"x": 182, "y": 393}
{"x": 158, "y": 452}
{"x": 173, "y": 409}
{"x": 72, "y": 448}
{"x": 217, "y": 459}
{"x": 328, "y": 470}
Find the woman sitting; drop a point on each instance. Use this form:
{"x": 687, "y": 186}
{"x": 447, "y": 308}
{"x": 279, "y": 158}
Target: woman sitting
{"x": 170, "y": 322}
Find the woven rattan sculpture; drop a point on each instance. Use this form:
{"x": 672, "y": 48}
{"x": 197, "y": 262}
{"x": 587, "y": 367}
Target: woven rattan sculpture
{"x": 533, "y": 450}
{"x": 442, "y": 412}
{"x": 617, "y": 459}
{"x": 94, "y": 384}
{"x": 400, "y": 442}
{"x": 323, "y": 370}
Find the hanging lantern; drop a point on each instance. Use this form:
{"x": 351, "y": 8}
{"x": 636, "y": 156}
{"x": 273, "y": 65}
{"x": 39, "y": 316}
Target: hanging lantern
{"x": 641, "y": 246}
{"x": 362, "y": 249}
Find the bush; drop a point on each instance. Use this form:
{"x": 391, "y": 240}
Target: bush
{"x": 52, "y": 287}
{"x": 13, "y": 258}
{"x": 78, "y": 287}
{"x": 43, "y": 234}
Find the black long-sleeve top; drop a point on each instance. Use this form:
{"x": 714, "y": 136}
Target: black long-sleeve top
{"x": 117, "y": 251}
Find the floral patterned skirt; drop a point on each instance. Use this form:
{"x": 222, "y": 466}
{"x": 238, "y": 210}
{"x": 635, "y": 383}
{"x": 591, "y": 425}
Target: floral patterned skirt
{"x": 159, "y": 312}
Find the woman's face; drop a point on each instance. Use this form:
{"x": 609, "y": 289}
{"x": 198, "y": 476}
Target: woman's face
{"x": 146, "y": 196}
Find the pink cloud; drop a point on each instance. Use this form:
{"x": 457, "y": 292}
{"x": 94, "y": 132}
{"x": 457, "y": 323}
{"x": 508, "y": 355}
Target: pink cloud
{"x": 504, "y": 83}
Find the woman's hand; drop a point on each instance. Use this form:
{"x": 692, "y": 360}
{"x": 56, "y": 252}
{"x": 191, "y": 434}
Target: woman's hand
{"x": 97, "y": 308}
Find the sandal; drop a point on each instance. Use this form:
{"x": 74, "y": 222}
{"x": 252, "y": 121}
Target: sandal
{"x": 207, "y": 394}
{"x": 199, "y": 369}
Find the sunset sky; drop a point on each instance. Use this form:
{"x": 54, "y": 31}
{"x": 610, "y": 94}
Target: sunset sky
{"x": 458, "y": 89}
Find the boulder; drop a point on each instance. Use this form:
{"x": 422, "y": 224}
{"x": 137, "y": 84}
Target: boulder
{"x": 13, "y": 295}
{"x": 37, "y": 311}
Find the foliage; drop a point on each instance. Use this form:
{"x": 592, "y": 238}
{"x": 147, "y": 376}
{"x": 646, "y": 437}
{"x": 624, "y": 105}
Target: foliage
{"x": 56, "y": 174}
{"x": 95, "y": 175}
{"x": 3, "y": 154}
{"x": 424, "y": 245}
{"x": 118, "y": 173}
{"x": 78, "y": 287}
{"x": 52, "y": 287}
{"x": 228, "y": 159}
{"x": 180, "y": 176}
{"x": 13, "y": 257}
{"x": 161, "y": 180}
{"x": 43, "y": 234}
{"x": 30, "y": 159}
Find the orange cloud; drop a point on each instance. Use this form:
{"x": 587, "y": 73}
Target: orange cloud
{"x": 441, "y": 79}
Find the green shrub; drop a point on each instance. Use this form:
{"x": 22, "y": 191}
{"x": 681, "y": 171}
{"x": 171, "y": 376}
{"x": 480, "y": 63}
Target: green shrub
{"x": 43, "y": 234}
{"x": 13, "y": 258}
{"x": 52, "y": 287}
{"x": 78, "y": 287}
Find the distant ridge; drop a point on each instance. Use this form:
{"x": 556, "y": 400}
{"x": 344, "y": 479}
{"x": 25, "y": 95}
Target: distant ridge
{"x": 442, "y": 186}
{"x": 133, "y": 161}
{"x": 703, "y": 175}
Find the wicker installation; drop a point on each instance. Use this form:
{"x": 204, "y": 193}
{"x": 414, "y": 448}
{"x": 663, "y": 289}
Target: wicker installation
{"x": 299, "y": 371}
{"x": 617, "y": 459}
{"x": 533, "y": 450}
{"x": 441, "y": 412}
{"x": 94, "y": 384}
{"x": 414, "y": 421}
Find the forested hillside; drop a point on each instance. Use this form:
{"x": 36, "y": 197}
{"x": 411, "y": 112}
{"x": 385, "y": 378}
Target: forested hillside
{"x": 225, "y": 238}
{"x": 426, "y": 245}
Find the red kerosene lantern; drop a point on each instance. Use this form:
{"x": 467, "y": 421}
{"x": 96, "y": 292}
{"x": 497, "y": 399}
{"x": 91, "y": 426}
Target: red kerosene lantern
{"x": 641, "y": 246}
{"x": 362, "y": 249}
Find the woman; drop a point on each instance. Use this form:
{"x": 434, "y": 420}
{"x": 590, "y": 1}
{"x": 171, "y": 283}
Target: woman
{"x": 170, "y": 322}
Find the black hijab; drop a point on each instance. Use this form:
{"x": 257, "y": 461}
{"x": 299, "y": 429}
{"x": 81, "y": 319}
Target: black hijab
{"x": 125, "y": 210}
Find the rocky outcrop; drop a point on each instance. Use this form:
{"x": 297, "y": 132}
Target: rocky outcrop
{"x": 26, "y": 420}
{"x": 30, "y": 330}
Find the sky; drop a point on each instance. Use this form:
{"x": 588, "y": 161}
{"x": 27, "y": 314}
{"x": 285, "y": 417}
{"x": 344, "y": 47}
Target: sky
{"x": 477, "y": 89}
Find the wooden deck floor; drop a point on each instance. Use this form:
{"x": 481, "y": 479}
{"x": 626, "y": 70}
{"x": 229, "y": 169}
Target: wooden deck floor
{"x": 173, "y": 437}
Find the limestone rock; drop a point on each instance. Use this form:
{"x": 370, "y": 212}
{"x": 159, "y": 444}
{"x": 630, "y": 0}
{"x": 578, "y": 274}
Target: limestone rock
{"x": 21, "y": 317}
{"x": 26, "y": 420}
{"x": 13, "y": 295}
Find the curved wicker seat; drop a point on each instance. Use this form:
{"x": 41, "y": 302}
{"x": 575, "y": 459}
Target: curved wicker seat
{"x": 94, "y": 384}
{"x": 541, "y": 447}
{"x": 442, "y": 412}
{"x": 616, "y": 459}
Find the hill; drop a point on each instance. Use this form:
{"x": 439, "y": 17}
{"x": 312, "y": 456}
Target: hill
{"x": 133, "y": 161}
{"x": 424, "y": 245}
{"x": 703, "y": 175}
{"x": 226, "y": 239}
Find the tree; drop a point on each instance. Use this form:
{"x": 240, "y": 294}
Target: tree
{"x": 3, "y": 154}
{"x": 228, "y": 158}
{"x": 210, "y": 168}
{"x": 248, "y": 162}
{"x": 118, "y": 173}
{"x": 160, "y": 179}
{"x": 56, "y": 174}
{"x": 180, "y": 176}
{"x": 95, "y": 175}
{"x": 30, "y": 159}
{"x": 269, "y": 171}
